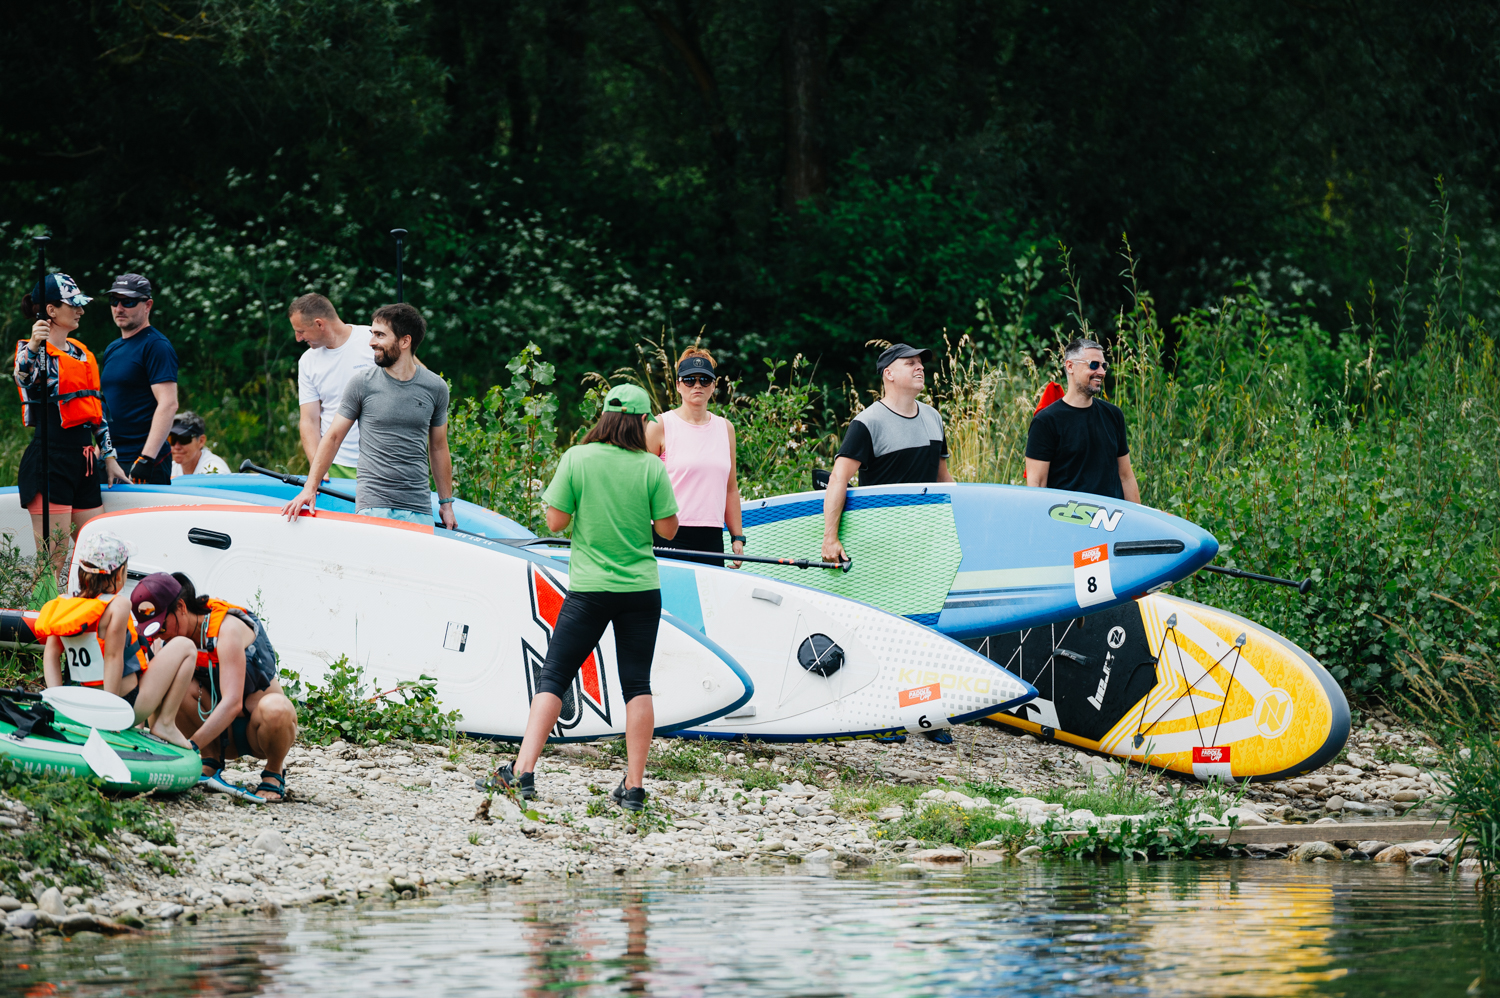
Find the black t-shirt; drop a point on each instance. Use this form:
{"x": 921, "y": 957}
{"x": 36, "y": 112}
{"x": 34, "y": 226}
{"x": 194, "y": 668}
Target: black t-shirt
{"x": 1084, "y": 447}
{"x": 893, "y": 449}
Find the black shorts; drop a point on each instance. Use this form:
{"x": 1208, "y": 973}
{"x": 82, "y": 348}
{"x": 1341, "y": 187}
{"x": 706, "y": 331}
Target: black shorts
{"x": 580, "y": 625}
{"x": 72, "y": 478}
{"x": 694, "y": 539}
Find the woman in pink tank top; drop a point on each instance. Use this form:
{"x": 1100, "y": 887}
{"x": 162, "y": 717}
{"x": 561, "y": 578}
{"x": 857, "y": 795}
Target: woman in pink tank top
{"x": 698, "y": 448}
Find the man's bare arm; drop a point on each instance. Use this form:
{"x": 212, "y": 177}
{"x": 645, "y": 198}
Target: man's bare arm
{"x": 844, "y": 468}
{"x": 310, "y": 426}
{"x": 1036, "y": 472}
{"x": 1128, "y": 484}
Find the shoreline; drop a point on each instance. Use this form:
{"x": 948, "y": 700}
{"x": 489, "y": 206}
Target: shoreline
{"x": 400, "y": 821}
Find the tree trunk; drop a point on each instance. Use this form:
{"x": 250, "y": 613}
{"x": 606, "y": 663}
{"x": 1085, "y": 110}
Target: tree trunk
{"x": 804, "y": 47}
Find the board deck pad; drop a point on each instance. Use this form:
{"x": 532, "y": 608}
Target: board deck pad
{"x": 906, "y": 547}
{"x": 973, "y": 560}
{"x": 1176, "y": 684}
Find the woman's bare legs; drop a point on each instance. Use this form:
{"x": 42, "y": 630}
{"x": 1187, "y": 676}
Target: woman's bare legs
{"x": 163, "y": 686}
{"x": 545, "y": 708}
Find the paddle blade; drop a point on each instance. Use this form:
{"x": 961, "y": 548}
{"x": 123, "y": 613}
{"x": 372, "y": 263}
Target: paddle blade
{"x": 103, "y": 760}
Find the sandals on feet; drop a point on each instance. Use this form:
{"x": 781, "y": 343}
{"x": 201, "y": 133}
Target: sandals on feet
{"x": 274, "y": 783}
{"x": 217, "y": 783}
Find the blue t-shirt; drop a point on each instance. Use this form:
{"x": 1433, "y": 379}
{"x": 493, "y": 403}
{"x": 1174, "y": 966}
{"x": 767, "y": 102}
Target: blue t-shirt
{"x": 128, "y": 369}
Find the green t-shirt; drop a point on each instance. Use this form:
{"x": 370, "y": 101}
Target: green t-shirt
{"x": 613, "y": 494}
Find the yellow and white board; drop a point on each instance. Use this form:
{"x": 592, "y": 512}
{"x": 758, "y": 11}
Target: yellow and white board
{"x": 1179, "y": 685}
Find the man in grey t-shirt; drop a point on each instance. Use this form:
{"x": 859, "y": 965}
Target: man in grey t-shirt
{"x": 402, "y": 410}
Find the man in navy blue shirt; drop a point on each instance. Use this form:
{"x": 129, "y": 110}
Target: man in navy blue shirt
{"x": 139, "y": 378}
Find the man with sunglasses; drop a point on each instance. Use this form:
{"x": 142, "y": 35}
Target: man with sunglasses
{"x": 1078, "y": 443}
{"x": 139, "y": 380}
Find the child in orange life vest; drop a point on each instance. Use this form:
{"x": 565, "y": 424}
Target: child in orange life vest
{"x": 92, "y": 641}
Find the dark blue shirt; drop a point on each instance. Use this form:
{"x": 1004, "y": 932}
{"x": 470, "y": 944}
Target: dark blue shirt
{"x": 127, "y": 371}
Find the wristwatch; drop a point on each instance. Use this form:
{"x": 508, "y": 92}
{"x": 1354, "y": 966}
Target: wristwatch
{"x": 736, "y": 537}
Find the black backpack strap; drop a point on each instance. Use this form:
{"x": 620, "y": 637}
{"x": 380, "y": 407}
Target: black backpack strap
{"x": 36, "y": 722}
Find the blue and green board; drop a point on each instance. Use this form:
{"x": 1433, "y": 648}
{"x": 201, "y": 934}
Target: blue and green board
{"x": 972, "y": 560}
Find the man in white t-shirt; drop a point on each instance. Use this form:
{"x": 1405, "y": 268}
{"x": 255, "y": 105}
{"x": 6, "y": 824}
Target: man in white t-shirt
{"x": 336, "y": 352}
{"x": 188, "y": 439}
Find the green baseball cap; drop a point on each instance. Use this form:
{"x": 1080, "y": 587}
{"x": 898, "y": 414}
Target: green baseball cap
{"x": 630, "y": 399}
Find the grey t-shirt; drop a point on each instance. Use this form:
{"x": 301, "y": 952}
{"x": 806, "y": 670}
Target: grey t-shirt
{"x": 395, "y": 419}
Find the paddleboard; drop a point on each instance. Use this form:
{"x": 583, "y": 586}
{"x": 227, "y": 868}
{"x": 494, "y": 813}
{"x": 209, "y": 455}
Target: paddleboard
{"x": 973, "y": 560}
{"x": 1179, "y": 685}
{"x": 403, "y": 600}
{"x": 828, "y": 668}
{"x": 54, "y": 744}
{"x": 234, "y": 490}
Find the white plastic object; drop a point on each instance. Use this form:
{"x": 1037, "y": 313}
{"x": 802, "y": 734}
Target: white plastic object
{"x": 92, "y": 706}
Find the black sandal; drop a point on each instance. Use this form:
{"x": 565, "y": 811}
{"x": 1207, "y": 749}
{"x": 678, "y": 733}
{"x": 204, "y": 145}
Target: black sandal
{"x": 273, "y": 783}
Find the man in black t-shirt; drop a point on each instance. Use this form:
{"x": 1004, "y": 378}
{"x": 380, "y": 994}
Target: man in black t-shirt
{"x": 1078, "y": 442}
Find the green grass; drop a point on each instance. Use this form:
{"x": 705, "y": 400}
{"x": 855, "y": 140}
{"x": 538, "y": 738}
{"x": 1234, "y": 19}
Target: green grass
{"x": 949, "y": 824}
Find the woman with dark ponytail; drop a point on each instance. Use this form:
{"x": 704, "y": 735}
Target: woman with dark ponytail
{"x": 235, "y": 706}
{"x": 77, "y": 434}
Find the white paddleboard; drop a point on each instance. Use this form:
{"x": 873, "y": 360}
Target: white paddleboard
{"x": 402, "y": 600}
{"x": 828, "y": 668}
{"x": 15, "y": 522}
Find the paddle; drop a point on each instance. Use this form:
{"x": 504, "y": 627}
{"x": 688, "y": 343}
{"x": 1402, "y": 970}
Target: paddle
{"x": 686, "y": 555}
{"x": 1301, "y": 587}
{"x": 400, "y": 236}
{"x": 41, "y": 279}
{"x": 249, "y": 465}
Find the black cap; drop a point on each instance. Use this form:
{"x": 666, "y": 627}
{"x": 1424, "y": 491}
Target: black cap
{"x": 695, "y": 365}
{"x": 898, "y": 350}
{"x": 188, "y": 424}
{"x": 130, "y": 286}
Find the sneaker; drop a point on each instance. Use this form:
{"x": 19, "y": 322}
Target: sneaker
{"x": 891, "y": 740}
{"x": 219, "y": 785}
{"x": 939, "y": 737}
{"x": 632, "y": 799}
{"x": 505, "y": 778}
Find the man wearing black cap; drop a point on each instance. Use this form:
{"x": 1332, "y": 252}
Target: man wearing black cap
{"x": 896, "y": 441}
{"x": 139, "y": 379}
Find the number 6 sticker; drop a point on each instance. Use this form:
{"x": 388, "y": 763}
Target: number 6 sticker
{"x": 921, "y": 709}
{"x": 1091, "y": 582}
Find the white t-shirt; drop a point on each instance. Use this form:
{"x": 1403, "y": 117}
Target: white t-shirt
{"x": 322, "y": 373}
{"x": 209, "y": 463}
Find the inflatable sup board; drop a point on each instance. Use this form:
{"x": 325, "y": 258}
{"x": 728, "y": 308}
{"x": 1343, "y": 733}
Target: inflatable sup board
{"x": 1180, "y": 685}
{"x": 975, "y": 560}
{"x": 235, "y": 490}
{"x": 402, "y": 600}
{"x": 828, "y": 668}
{"x": 41, "y": 739}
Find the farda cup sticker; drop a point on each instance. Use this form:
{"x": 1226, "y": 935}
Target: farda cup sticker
{"x": 1091, "y": 582}
{"x": 921, "y": 708}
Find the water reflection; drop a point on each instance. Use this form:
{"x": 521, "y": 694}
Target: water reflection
{"x": 1261, "y": 929}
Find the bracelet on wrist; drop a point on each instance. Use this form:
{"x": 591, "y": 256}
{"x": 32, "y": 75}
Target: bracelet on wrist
{"x": 736, "y": 537}
{"x": 444, "y": 502}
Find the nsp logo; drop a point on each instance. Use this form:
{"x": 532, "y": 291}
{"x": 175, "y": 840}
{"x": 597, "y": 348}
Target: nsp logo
{"x": 1086, "y": 514}
{"x": 588, "y": 689}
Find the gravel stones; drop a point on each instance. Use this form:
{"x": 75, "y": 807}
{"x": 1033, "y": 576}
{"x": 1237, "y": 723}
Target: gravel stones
{"x": 1391, "y": 854}
{"x": 1307, "y": 852}
{"x": 50, "y": 902}
{"x": 270, "y": 841}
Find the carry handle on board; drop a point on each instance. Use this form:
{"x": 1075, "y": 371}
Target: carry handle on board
{"x": 687, "y": 555}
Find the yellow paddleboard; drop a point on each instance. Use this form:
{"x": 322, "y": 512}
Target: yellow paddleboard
{"x": 1178, "y": 685}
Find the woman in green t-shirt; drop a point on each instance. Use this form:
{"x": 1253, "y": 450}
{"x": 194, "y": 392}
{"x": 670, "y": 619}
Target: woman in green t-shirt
{"x": 614, "y": 492}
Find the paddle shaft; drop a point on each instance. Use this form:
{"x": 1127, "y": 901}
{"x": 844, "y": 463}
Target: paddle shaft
{"x": 1301, "y": 587}
{"x": 249, "y": 465}
{"x": 41, "y": 280}
{"x": 400, "y": 236}
{"x": 689, "y": 555}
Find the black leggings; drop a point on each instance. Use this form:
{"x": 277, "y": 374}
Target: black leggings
{"x": 580, "y": 625}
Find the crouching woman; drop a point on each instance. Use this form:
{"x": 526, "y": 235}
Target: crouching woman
{"x": 235, "y": 705}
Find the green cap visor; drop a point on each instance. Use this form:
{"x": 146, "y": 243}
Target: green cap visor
{"x": 631, "y": 399}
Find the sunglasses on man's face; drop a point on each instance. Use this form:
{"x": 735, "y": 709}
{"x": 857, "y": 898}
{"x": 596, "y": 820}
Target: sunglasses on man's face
{"x": 696, "y": 380}
{"x": 125, "y": 302}
{"x": 1095, "y": 365}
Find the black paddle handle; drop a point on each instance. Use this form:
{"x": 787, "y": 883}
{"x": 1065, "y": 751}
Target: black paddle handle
{"x": 1301, "y": 587}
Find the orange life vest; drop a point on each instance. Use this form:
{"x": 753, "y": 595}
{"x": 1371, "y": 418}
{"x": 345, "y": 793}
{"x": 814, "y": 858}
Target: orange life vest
{"x": 208, "y": 655}
{"x": 74, "y": 620}
{"x": 79, "y": 400}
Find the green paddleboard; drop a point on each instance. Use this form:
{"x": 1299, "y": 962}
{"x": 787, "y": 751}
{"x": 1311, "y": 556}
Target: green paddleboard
{"x": 53, "y": 745}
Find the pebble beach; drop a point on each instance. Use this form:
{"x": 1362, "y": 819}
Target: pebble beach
{"x": 405, "y": 821}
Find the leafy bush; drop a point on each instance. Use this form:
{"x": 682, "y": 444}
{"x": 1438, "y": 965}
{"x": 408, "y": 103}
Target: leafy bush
{"x": 1163, "y": 834}
{"x": 345, "y": 709}
{"x": 949, "y": 824}
{"x": 70, "y": 818}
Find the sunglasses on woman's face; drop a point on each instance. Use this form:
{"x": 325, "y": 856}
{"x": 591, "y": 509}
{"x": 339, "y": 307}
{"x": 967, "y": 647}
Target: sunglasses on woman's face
{"x": 697, "y": 380}
{"x": 181, "y": 440}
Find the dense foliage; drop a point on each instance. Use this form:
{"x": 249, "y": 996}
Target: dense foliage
{"x": 344, "y": 708}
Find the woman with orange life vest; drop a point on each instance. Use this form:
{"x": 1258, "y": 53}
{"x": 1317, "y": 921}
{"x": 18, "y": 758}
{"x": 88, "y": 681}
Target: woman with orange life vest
{"x": 91, "y": 640}
{"x": 77, "y": 434}
{"x": 234, "y": 705}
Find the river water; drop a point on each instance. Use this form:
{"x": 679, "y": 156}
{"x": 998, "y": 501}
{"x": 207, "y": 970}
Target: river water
{"x": 1206, "y": 928}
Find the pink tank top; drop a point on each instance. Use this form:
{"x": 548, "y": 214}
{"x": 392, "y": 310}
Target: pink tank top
{"x": 697, "y": 459}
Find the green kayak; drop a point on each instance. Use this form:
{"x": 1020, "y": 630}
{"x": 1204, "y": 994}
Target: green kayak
{"x": 40, "y": 739}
